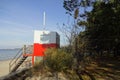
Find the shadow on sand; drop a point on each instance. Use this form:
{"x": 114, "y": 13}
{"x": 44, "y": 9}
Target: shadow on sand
{"x": 102, "y": 69}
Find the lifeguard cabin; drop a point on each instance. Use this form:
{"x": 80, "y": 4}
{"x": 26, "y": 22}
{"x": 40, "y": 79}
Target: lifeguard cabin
{"x": 42, "y": 41}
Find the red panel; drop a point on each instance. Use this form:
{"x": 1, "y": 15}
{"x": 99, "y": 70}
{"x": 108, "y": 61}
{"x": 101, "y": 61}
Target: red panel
{"x": 27, "y": 54}
{"x": 39, "y": 49}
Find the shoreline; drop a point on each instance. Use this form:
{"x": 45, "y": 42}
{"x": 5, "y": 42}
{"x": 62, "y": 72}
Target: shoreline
{"x": 6, "y": 60}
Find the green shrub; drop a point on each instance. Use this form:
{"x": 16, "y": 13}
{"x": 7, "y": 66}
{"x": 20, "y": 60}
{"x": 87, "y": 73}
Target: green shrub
{"x": 57, "y": 60}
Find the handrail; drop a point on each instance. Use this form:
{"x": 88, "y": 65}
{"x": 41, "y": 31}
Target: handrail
{"x": 16, "y": 55}
{"x": 15, "y": 59}
{"x": 13, "y": 62}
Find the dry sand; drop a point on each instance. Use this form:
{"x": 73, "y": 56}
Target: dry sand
{"x": 4, "y": 68}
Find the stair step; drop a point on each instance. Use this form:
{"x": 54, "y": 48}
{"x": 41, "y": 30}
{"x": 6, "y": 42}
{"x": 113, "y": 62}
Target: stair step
{"x": 19, "y": 63}
{"x": 20, "y": 59}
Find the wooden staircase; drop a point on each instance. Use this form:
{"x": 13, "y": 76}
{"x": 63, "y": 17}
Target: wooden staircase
{"x": 16, "y": 62}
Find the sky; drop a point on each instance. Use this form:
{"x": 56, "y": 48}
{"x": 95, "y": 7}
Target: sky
{"x": 19, "y": 19}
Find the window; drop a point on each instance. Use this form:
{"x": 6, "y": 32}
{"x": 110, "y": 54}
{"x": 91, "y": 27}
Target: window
{"x": 44, "y": 39}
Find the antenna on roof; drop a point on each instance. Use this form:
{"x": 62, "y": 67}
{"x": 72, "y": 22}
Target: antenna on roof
{"x": 44, "y": 20}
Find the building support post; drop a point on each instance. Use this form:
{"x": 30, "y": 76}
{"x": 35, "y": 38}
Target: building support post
{"x": 24, "y": 49}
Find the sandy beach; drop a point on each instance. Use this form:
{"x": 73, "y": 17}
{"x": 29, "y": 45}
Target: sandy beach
{"x": 4, "y": 67}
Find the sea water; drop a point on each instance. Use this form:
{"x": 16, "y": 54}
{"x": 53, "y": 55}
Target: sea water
{"x": 6, "y": 54}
